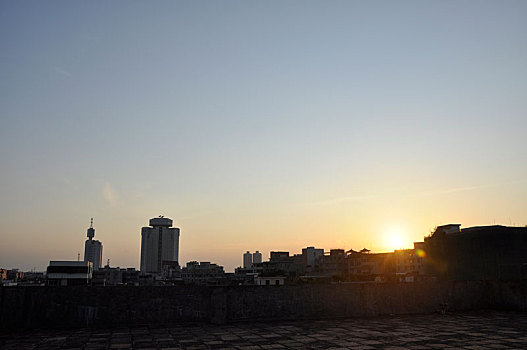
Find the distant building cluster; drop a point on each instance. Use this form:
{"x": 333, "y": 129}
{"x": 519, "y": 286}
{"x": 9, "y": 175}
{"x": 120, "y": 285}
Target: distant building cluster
{"x": 449, "y": 253}
{"x": 68, "y": 273}
{"x": 15, "y": 277}
{"x": 158, "y": 261}
{"x": 314, "y": 265}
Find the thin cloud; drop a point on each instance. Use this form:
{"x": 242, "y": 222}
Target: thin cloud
{"x": 340, "y": 200}
{"x": 450, "y": 190}
{"x": 467, "y": 188}
{"x": 343, "y": 200}
{"x": 110, "y": 194}
{"x": 62, "y": 72}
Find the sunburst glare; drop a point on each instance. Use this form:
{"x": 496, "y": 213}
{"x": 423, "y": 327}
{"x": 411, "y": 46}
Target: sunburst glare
{"x": 395, "y": 238}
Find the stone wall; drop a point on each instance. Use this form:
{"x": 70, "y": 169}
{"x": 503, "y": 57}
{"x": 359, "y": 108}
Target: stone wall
{"x": 36, "y": 307}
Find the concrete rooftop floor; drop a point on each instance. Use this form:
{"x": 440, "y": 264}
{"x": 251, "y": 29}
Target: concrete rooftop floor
{"x": 481, "y": 330}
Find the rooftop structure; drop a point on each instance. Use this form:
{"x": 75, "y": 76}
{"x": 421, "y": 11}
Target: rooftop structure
{"x": 67, "y": 273}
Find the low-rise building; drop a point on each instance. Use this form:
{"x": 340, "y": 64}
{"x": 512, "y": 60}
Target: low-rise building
{"x": 270, "y": 280}
{"x": 310, "y": 256}
{"x": 68, "y": 273}
{"x": 410, "y": 261}
{"x": 333, "y": 265}
{"x": 15, "y": 275}
{"x": 113, "y": 276}
{"x": 366, "y": 266}
{"x": 243, "y": 276}
{"x": 203, "y": 273}
{"x": 34, "y": 278}
{"x": 282, "y": 263}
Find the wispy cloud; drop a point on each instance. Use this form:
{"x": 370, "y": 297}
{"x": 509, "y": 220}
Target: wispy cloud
{"x": 340, "y": 200}
{"x": 450, "y": 190}
{"x": 62, "y": 72}
{"x": 110, "y": 194}
{"x": 466, "y": 188}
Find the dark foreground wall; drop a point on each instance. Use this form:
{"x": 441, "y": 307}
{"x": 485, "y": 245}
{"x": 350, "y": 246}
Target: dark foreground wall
{"x": 35, "y": 307}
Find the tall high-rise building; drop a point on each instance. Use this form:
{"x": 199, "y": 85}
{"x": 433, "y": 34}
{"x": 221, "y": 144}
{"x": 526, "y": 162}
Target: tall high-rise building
{"x": 159, "y": 244}
{"x": 93, "y": 248}
{"x": 247, "y": 260}
{"x": 257, "y": 257}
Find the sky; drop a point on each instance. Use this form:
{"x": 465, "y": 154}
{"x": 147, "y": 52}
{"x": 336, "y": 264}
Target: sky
{"x": 257, "y": 125}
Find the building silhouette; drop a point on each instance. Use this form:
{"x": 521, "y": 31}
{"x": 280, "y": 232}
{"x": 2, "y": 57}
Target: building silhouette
{"x": 310, "y": 255}
{"x": 257, "y": 257}
{"x": 367, "y": 266}
{"x": 69, "y": 273}
{"x": 247, "y": 260}
{"x": 93, "y": 249}
{"x": 333, "y": 265}
{"x": 204, "y": 273}
{"x": 477, "y": 253}
{"x": 159, "y": 245}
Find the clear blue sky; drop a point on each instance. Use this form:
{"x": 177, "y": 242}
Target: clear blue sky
{"x": 268, "y": 125}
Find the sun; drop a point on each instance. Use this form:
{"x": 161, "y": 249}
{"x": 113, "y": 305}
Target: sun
{"x": 394, "y": 238}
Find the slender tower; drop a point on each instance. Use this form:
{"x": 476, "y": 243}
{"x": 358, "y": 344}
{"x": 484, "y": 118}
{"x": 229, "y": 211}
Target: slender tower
{"x": 93, "y": 248}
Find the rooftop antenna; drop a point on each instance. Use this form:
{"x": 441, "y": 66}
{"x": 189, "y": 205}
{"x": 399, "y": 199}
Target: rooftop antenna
{"x": 91, "y": 223}
{"x": 108, "y": 262}
{"x": 78, "y": 256}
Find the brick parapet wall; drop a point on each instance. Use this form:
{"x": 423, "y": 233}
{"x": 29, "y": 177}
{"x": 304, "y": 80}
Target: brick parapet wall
{"x": 80, "y": 306}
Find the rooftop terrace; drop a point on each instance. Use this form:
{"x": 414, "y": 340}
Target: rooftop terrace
{"x": 474, "y": 330}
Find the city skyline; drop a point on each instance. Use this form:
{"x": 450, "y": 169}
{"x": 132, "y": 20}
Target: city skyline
{"x": 257, "y": 126}
{"x": 395, "y": 244}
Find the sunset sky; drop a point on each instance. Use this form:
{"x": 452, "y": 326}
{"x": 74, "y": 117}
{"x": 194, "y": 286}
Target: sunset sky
{"x": 257, "y": 125}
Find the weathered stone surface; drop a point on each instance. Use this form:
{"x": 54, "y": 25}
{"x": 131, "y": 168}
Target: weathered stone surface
{"x": 495, "y": 330}
{"x": 41, "y": 307}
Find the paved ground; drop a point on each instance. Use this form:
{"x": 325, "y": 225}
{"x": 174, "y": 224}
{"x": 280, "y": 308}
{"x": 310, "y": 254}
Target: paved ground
{"x": 484, "y": 330}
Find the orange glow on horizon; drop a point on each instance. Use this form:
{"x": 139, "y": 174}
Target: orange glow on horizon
{"x": 395, "y": 237}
